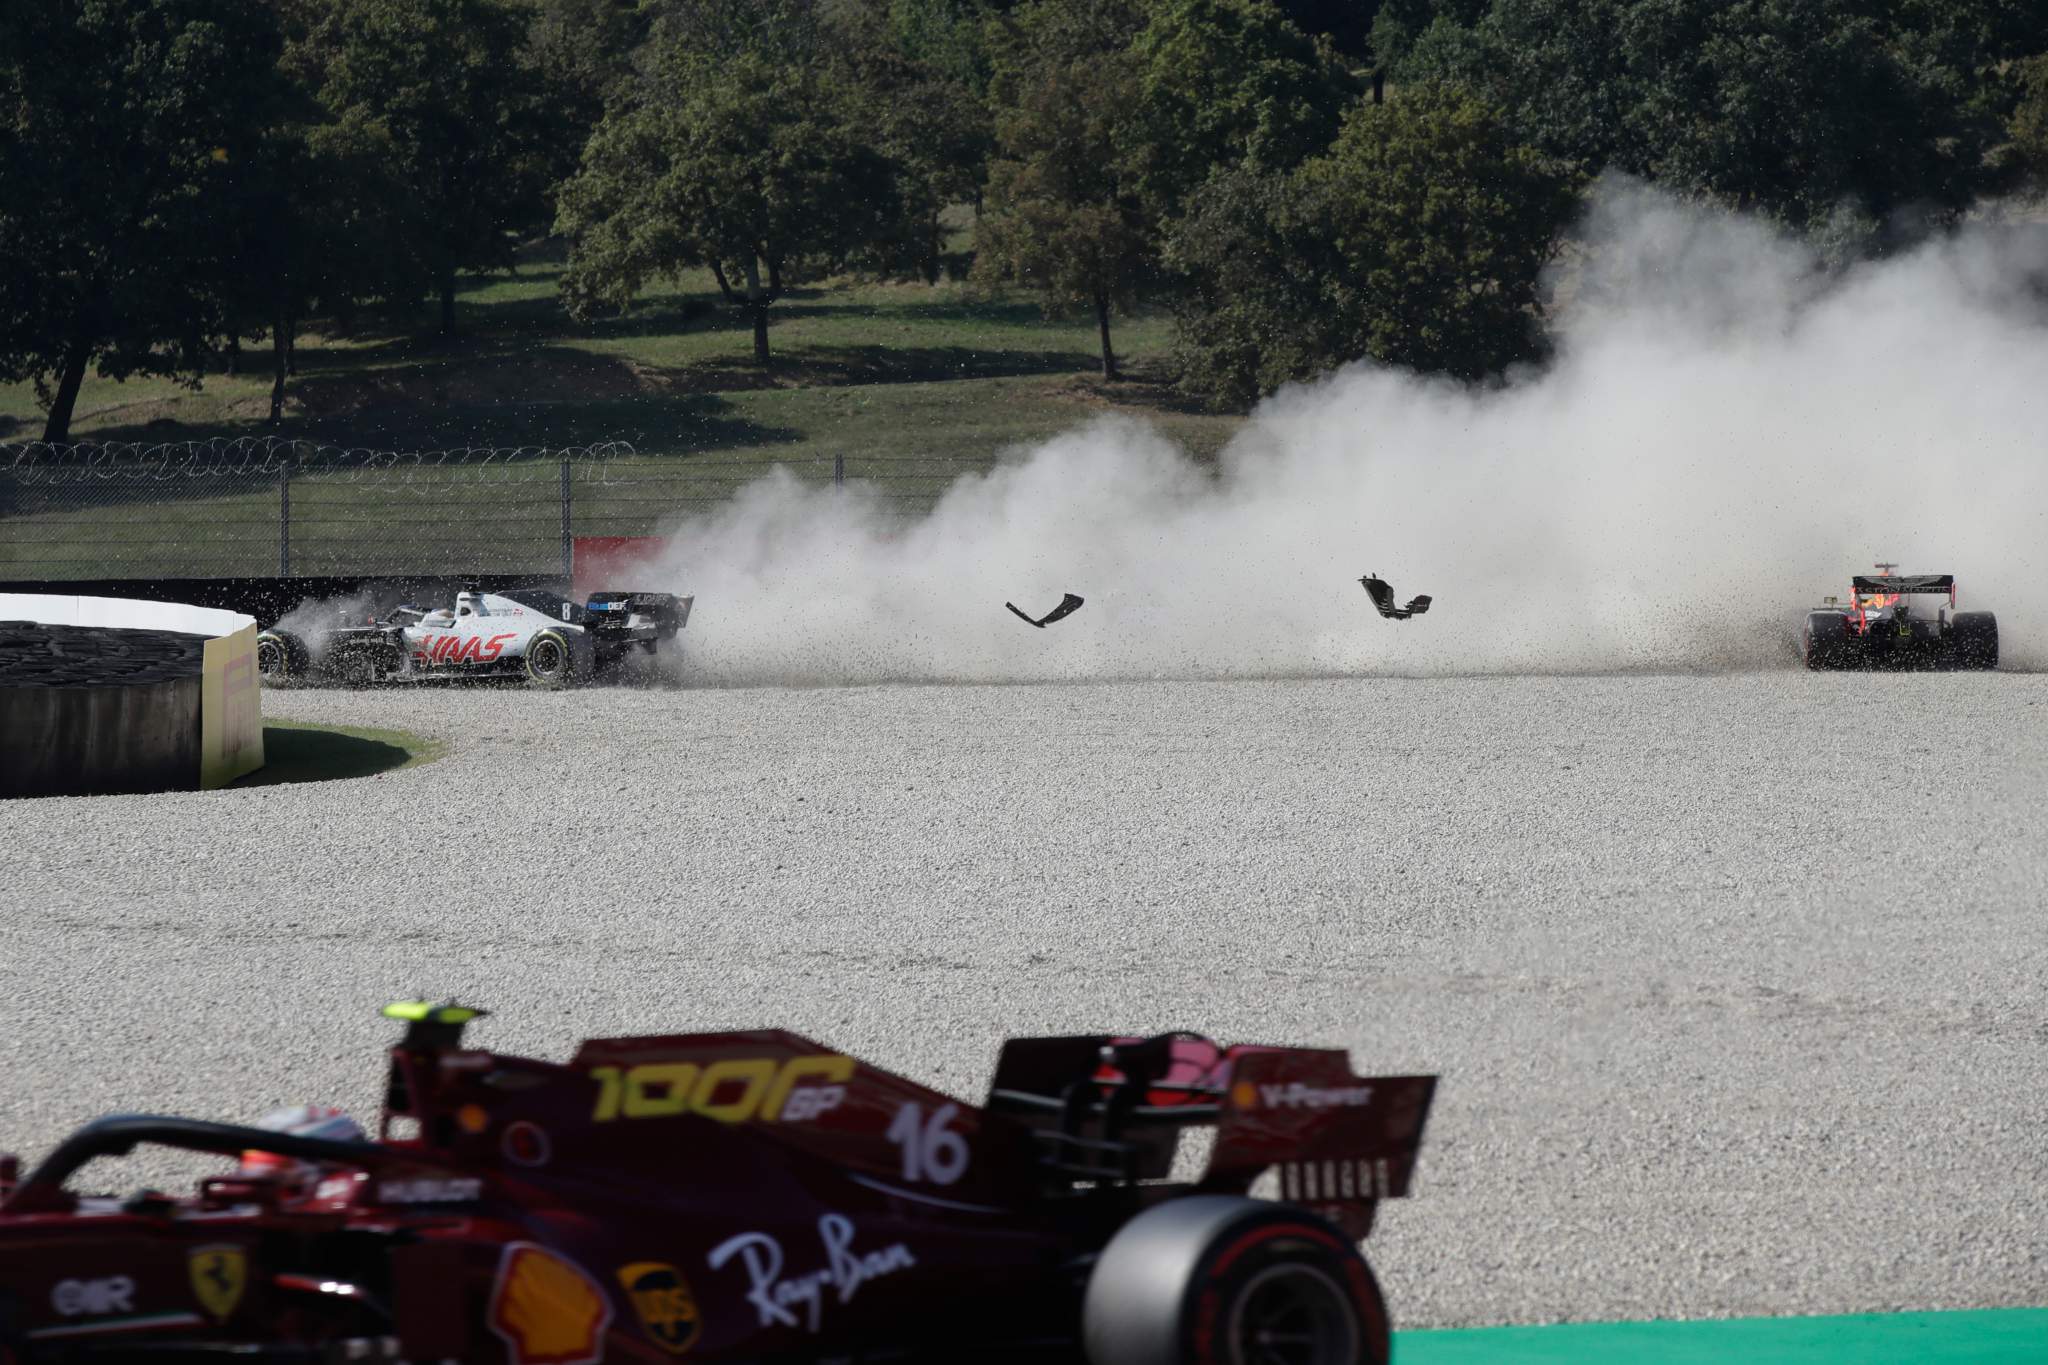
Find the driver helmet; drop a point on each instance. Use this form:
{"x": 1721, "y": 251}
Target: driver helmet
{"x": 302, "y": 1120}
{"x": 468, "y": 604}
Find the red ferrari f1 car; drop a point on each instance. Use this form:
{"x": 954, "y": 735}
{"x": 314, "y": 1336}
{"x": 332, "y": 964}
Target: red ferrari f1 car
{"x": 743, "y": 1196}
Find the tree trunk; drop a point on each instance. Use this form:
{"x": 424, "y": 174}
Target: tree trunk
{"x": 280, "y": 351}
{"x": 448, "y": 301}
{"x": 934, "y": 239}
{"x": 724, "y": 285}
{"x": 291, "y": 342}
{"x": 57, "y": 430}
{"x": 1102, "y": 326}
{"x": 234, "y": 354}
{"x": 774, "y": 278}
{"x": 757, "y": 303}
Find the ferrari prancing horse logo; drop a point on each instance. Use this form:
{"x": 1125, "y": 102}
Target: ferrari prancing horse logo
{"x": 219, "y": 1275}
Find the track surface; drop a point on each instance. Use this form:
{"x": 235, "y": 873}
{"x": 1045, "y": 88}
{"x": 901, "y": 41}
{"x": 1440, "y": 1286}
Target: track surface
{"x": 1735, "y": 981}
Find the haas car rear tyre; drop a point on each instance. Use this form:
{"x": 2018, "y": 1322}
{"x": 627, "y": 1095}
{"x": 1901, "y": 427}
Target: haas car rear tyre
{"x": 1973, "y": 639}
{"x": 1218, "y": 1280}
{"x": 549, "y": 662}
{"x": 1825, "y": 640}
{"x": 280, "y": 658}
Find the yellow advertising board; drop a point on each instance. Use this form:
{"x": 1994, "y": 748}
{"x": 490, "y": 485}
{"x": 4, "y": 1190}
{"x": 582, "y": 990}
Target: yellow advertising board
{"x": 230, "y": 709}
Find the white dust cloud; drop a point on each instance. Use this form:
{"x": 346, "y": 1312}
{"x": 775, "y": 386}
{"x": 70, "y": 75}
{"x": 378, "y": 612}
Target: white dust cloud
{"x": 314, "y": 619}
{"x": 1725, "y": 435}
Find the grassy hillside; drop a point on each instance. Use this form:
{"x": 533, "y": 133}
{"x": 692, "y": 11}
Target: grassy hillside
{"x": 861, "y": 369}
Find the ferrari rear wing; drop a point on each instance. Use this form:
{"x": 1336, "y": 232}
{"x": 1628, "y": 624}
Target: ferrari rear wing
{"x": 1107, "y": 1110}
{"x": 1904, "y": 583}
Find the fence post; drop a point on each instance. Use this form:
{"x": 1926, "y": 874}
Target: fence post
{"x": 568, "y": 537}
{"x": 838, "y": 471}
{"x": 284, "y": 518}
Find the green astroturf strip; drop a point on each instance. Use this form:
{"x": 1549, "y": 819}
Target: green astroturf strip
{"x": 1997, "y": 1336}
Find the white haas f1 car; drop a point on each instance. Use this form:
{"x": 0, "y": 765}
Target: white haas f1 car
{"x": 1878, "y": 627}
{"x": 542, "y": 635}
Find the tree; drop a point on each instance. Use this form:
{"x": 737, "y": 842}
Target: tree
{"x": 1346, "y": 23}
{"x": 1418, "y": 240}
{"x": 2030, "y": 126}
{"x": 468, "y": 118}
{"x": 1252, "y": 314}
{"x": 120, "y": 121}
{"x": 787, "y": 31}
{"x": 915, "y": 74}
{"x": 1061, "y": 213}
{"x": 1397, "y": 24}
{"x": 1559, "y": 69}
{"x": 586, "y": 46}
{"x": 582, "y": 49}
{"x": 312, "y": 231}
{"x": 946, "y": 37}
{"x": 743, "y": 163}
{"x": 1798, "y": 109}
{"x": 1224, "y": 82}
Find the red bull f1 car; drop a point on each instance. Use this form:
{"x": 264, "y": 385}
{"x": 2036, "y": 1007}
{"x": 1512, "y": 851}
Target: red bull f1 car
{"x": 748, "y": 1196}
{"x": 550, "y": 640}
{"x": 1879, "y": 626}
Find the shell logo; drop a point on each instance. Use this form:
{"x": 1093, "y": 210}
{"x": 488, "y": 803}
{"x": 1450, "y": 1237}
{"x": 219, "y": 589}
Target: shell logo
{"x": 1244, "y": 1095}
{"x": 546, "y": 1310}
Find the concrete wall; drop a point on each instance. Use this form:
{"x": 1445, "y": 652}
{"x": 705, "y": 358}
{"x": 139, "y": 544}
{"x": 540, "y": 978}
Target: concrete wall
{"x": 92, "y": 732}
{"x": 79, "y": 741}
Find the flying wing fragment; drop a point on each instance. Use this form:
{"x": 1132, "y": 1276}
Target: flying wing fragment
{"x": 1382, "y": 595}
{"x": 1068, "y": 605}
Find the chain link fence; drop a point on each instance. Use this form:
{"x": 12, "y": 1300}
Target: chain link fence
{"x": 256, "y": 507}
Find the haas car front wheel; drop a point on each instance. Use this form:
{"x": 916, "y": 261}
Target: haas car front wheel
{"x": 549, "y": 662}
{"x": 1218, "y": 1280}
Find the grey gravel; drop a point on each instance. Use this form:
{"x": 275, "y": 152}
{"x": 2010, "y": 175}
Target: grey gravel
{"x": 1735, "y": 981}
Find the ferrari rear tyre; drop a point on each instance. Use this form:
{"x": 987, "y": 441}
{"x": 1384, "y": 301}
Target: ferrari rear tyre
{"x": 1218, "y": 1280}
{"x": 549, "y": 662}
{"x": 1825, "y": 640}
{"x": 1973, "y": 639}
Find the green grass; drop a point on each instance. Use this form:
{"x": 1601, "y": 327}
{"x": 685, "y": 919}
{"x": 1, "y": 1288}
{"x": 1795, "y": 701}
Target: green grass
{"x": 861, "y": 371}
{"x": 674, "y": 375}
{"x": 296, "y": 752}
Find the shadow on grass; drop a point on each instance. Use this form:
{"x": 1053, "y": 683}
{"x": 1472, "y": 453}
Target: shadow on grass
{"x": 921, "y": 364}
{"x": 295, "y": 753}
{"x": 825, "y": 367}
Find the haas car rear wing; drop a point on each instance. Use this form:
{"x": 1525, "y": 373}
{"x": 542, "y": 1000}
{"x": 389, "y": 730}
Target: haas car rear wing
{"x": 1109, "y": 1110}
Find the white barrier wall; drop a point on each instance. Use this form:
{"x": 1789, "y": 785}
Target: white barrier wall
{"x": 119, "y": 613}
